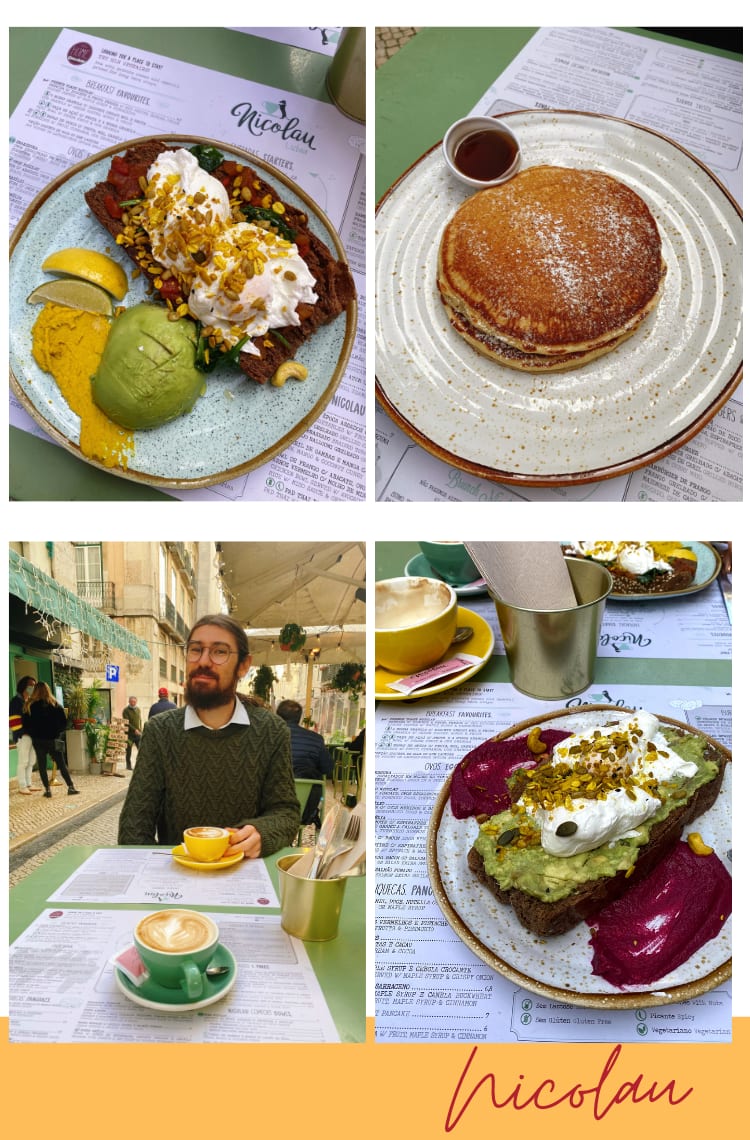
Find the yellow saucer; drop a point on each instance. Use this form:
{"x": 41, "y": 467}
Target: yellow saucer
{"x": 480, "y": 644}
{"x": 180, "y": 855}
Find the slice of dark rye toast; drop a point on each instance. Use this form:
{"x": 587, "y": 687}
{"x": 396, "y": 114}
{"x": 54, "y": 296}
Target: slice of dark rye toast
{"x": 334, "y": 284}
{"x": 550, "y": 918}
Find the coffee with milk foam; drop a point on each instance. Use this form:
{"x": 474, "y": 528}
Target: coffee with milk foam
{"x": 176, "y": 931}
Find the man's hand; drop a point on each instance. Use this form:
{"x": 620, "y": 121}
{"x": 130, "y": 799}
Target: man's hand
{"x": 245, "y": 840}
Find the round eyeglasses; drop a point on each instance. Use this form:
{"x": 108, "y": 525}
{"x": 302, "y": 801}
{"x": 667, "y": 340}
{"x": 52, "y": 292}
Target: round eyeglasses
{"x": 218, "y": 654}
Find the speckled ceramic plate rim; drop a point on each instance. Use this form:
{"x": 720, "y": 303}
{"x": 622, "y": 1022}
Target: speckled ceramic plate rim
{"x": 704, "y": 576}
{"x": 519, "y": 941}
{"x": 463, "y": 617}
{"x": 421, "y": 434}
{"x": 298, "y": 421}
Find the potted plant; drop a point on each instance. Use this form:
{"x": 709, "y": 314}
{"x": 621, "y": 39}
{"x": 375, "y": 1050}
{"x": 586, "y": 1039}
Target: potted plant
{"x": 93, "y": 700}
{"x": 349, "y": 678}
{"x": 292, "y": 636}
{"x": 94, "y": 736}
{"x": 263, "y": 682}
{"x": 76, "y": 703}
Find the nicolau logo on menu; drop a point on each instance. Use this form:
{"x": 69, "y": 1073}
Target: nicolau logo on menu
{"x": 272, "y": 118}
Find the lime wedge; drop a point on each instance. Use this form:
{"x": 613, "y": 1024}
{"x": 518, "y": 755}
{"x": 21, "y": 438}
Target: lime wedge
{"x": 73, "y": 294}
{"x": 90, "y": 265}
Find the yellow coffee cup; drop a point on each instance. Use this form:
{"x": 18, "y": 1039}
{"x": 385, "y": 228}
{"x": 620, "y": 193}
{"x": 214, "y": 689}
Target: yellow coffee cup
{"x": 415, "y": 622}
{"x": 206, "y": 844}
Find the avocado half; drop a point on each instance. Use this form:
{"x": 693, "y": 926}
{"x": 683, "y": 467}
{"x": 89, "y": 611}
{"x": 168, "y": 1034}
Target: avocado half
{"x": 147, "y": 374}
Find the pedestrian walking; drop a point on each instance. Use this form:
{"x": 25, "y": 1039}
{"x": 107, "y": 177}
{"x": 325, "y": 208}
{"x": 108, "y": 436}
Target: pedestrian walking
{"x": 132, "y": 714}
{"x": 162, "y": 705}
{"x": 44, "y": 722}
{"x": 24, "y": 748}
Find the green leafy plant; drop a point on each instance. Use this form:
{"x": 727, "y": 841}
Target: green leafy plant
{"x": 263, "y": 682}
{"x": 93, "y": 699}
{"x": 349, "y": 678}
{"x": 292, "y": 636}
{"x": 76, "y": 702}
{"x": 96, "y": 738}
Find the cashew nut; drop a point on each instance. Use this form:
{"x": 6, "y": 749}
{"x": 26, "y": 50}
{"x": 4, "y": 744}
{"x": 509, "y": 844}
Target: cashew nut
{"x": 292, "y": 369}
{"x": 534, "y": 742}
{"x": 696, "y": 844}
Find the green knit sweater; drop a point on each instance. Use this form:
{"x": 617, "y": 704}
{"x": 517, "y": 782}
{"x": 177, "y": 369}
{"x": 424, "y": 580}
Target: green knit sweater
{"x": 229, "y": 777}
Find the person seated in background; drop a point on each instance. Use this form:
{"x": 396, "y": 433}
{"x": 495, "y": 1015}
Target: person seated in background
{"x": 220, "y": 761}
{"x": 310, "y": 757}
{"x": 357, "y": 744}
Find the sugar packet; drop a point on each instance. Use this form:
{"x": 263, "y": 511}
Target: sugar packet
{"x": 435, "y": 673}
{"x": 129, "y": 962}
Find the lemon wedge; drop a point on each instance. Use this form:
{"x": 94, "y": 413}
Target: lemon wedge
{"x": 73, "y": 294}
{"x": 92, "y": 266}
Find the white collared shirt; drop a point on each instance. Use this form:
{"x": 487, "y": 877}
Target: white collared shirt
{"x": 239, "y": 716}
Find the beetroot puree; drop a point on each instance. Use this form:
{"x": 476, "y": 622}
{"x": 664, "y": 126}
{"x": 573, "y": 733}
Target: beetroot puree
{"x": 479, "y": 785}
{"x": 662, "y": 920}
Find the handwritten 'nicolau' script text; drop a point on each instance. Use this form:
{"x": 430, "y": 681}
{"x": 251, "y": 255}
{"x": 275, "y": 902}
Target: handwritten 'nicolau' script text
{"x": 604, "y": 1094}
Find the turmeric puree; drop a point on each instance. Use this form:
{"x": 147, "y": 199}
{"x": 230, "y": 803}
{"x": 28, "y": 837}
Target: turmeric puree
{"x": 68, "y": 344}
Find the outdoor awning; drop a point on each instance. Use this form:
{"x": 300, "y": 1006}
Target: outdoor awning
{"x": 37, "y": 589}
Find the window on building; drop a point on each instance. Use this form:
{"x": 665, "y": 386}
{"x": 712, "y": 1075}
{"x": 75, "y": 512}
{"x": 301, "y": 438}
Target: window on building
{"x": 90, "y": 572}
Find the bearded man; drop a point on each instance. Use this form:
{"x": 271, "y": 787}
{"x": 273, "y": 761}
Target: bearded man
{"x": 219, "y": 761}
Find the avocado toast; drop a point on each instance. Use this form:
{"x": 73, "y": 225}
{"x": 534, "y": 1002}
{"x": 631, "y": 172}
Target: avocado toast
{"x": 554, "y": 882}
{"x": 559, "y": 967}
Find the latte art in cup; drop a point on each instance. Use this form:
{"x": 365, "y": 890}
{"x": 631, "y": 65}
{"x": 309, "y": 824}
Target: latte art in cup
{"x": 176, "y": 931}
{"x": 206, "y": 844}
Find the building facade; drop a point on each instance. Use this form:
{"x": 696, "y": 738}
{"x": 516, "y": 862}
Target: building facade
{"x": 153, "y": 591}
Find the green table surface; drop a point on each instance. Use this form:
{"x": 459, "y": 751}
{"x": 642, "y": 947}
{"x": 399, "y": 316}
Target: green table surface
{"x": 392, "y": 557}
{"x": 436, "y": 78}
{"x": 232, "y": 53}
{"x": 339, "y": 964}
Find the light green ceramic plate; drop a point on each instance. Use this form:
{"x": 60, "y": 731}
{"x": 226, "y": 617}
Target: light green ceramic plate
{"x": 238, "y": 424}
{"x": 707, "y": 571}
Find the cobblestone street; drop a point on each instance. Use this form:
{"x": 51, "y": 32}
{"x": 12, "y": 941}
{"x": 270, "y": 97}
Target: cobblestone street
{"x": 389, "y": 40}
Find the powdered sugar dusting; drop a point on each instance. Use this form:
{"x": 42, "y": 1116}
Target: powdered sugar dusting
{"x": 555, "y": 258}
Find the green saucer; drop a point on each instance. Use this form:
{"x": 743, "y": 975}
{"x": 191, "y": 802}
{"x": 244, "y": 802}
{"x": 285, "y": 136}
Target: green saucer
{"x": 154, "y": 996}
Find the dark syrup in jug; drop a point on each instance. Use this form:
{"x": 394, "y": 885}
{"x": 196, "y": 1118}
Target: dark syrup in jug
{"x": 485, "y": 155}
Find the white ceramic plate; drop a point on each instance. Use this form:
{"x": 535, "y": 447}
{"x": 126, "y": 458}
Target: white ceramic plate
{"x": 630, "y": 407}
{"x": 238, "y": 424}
{"x": 560, "y": 967}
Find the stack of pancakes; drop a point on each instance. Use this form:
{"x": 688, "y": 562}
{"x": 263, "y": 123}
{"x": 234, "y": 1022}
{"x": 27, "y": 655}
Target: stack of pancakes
{"x": 551, "y": 269}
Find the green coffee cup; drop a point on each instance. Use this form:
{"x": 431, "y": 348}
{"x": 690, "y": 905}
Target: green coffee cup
{"x": 451, "y": 562}
{"x": 175, "y": 947}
